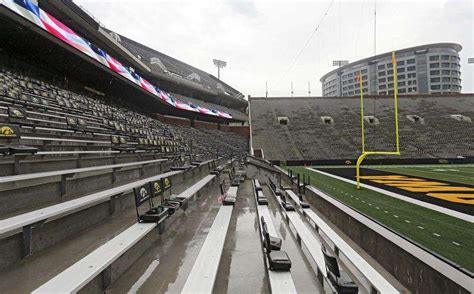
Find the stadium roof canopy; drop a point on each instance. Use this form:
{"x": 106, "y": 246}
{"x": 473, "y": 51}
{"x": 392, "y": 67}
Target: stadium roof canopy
{"x": 29, "y": 46}
{"x": 86, "y": 25}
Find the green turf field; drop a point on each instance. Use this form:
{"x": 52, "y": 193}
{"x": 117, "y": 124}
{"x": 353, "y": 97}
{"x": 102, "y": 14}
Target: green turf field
{"x": 450, "y": 237}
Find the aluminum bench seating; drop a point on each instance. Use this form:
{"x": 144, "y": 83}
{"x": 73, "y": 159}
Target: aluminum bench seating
{"x": 82, "y": 272}
{"x": 71, "y": 172}
{"x": 203, "y": 274}
{"x": 11, "y": 224}
{"x": 377, "y": 282}
{"x": 280, "y": 281}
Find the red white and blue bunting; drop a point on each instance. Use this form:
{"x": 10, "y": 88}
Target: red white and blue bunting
{"x": 47, "y": 22}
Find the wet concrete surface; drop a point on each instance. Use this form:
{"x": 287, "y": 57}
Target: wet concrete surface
{"x": 165, "y": 266}
{"x": 33, "y": 271}
{"x": 304, "y": 278}
{"x": 242, "y": 267}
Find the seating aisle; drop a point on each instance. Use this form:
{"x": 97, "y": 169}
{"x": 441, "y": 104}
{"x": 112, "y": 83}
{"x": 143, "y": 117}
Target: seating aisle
{"x": 242, "y": 269}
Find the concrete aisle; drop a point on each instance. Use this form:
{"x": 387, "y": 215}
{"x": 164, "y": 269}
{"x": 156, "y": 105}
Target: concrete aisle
{"x": 242, "y": 268}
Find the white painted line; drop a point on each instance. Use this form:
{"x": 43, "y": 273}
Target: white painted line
{"x": 143, "y": 278}
{"x": 385, "y": 211}
{"x": 456, "y": 243}
{"x": 450, "y": 212}
{"x": 421, "y": 228}
{"x": 395, "y": 215}
{"x": 407, "y": 221}
{"x": 437, "y": 235}
{"x": 376, "y": 207}
{"x": 444, "y": 268}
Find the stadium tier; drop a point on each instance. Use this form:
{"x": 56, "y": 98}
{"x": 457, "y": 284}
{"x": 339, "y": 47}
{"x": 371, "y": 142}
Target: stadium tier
{"x": 124, "y": 170}
{"x": 325, "y": 129}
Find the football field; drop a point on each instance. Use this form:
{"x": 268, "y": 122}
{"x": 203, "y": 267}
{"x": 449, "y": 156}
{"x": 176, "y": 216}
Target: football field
{"x": 450, "y": 237}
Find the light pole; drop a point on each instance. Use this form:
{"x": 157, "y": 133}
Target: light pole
{"x": 340, "y": 63}
{"x": 219, "y": 64}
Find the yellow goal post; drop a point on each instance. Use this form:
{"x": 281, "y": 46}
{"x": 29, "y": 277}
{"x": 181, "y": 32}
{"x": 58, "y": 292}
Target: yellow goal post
{"x": 397, "y": 140}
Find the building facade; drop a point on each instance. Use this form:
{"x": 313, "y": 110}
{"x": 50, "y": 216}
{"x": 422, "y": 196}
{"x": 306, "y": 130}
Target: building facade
{"x": 427, "y": 69}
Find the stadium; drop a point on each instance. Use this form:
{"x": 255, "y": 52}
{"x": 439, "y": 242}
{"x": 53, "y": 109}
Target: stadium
{"x": 126, "y": 170}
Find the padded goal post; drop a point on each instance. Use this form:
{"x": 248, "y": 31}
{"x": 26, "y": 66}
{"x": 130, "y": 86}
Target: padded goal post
{"x": 397, "y": 141}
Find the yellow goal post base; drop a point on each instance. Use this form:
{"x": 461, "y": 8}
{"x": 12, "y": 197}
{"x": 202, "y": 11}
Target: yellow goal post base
{"x": 397, "y": 141}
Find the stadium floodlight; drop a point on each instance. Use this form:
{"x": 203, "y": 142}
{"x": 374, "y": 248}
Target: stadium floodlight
{"x": 219, "y": 64}
{"x": 340, "y": 63}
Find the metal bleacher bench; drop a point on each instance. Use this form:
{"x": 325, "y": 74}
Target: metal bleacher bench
{"x": 82, "y": 272}
{"x": 64, "y": 140}
{"x": 11, "y": 224}
{"x": 8, "y": 182}
{"x": 305, "y": 237}
{"x": 280, "y": 281}
{"x": 70, "y": 172}
{"x": 376, "y": 280}
{"x": 203, "y": 274}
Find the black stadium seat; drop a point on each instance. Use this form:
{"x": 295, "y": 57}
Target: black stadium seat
{"x": 277, "y": 260}
{"x": 340, "y": 280}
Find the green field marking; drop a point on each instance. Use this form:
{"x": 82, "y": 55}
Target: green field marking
{"x": 465, "y": 175}
{"x": 423, "y": 224}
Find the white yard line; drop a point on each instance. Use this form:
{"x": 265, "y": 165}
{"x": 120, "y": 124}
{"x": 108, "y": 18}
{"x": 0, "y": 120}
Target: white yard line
{"x": 450, "y": 212}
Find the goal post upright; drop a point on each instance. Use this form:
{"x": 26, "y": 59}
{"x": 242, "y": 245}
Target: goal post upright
{"x": 397, "y": 139}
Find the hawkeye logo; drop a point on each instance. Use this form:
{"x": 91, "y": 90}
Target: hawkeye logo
{"x": 157, "y": 187}
{"x": 444, "y": 191}
{"x": 143, "y": 194}
{"x": 166, "y": 183}
{"x": 6, "y": 131}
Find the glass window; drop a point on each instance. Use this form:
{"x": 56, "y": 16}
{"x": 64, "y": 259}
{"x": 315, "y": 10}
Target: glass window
{"x": 382, "y": 80}
{"x": 401, "y": 69}
{"x": 445, "y": 72}
{"x": 402, "y": 90}
{"x": 364, "y": 71}
{"x": 390, "y": 79}
{"x": 445, "y": 64}
{"x": 454, "y": 65}
{"x": 400, "y": 77}
{"x": 446, "y": 80}
{"x": 434, "y": 72}
{"x": 446, "y": 87}
{"x": 383, "y": 93}
{"x": 434, "y": 58}
{"x": 381, "y": 87}
{"x": 364, "y": 83}
{"x": 435, "y": 80}
{"x": 411, "y": 68}
{"x": 435, "y": 87}
{"x": 390, "y": 85}
{"x": 454, "y": 58}
{"x": 434, "y": 65}
{"x": 389, "y": 65}
{"x": 382, "y": 66}
{"x": 381, "y": 73}
{"x": 401, "y": 62}
{"x": 411, "y": 75}
{"x": 390, "y": 92}
{"x": 411, "y": 61}
{"x": 400, "y": 84}
{"x": 444, "y": 57}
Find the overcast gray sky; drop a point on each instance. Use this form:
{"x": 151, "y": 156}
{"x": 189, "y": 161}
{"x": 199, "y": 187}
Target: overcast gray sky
{"x": 261, "y": 39}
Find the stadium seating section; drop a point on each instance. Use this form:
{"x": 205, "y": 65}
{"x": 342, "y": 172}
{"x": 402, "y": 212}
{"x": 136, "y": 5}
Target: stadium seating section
{"x": 55, "y": 122}
{"x": 329, "y": 128}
